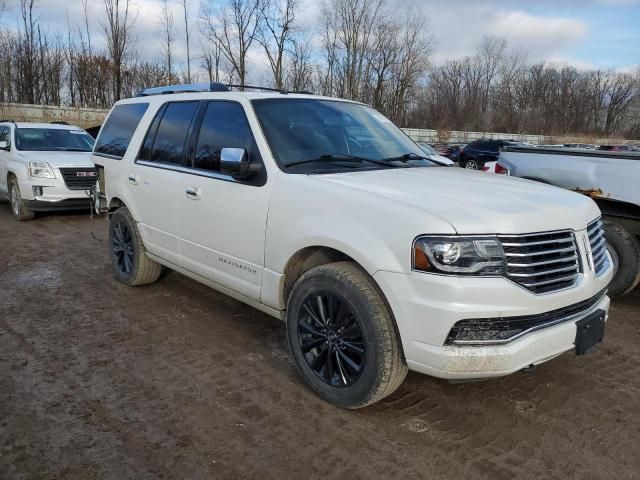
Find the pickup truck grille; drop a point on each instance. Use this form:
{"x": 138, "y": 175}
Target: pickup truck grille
{"x": 542, "y": 262}
{"x": 595, "y": 232}
{"x": 82, "y": 178}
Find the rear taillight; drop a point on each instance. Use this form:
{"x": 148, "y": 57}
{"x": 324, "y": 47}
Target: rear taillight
{"x": 500, "y": 170}
{"x": 485, "y": 169}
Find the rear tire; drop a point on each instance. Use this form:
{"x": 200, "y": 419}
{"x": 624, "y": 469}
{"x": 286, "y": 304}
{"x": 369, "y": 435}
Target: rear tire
{"x": 471, "y": 164}
{"x": 19, "y": 208}
{"x": 626, "y": 254}
{"x": 129, "y": 259}
{"x": 342, "y": 336}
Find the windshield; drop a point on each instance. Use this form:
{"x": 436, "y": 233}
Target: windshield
{"x": 50, "y": 139}
{"x": 306, "y": 132}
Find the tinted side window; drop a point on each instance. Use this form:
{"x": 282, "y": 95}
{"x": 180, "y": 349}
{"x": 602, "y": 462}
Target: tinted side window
{"x": 224, "y": 125}
{"x": 4, "y": 135}
{"x": 171, "y": 135}
{"x": 120, "y": 126}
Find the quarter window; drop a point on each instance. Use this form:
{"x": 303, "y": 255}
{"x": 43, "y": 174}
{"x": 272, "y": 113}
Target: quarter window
{"x": 4, "y": 135}
{"x": 119, "y": 128}
{"x": 167, "y": 144}
{"x": 224, "y": 125}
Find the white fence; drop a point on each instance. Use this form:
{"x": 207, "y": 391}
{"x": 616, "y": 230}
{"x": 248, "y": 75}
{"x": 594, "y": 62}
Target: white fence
{"x": 449, "y": 136}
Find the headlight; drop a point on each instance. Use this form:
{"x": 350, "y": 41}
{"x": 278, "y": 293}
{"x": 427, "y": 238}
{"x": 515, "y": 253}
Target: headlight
{"x": 40, "y": 169}
{"x": 459, "y": 255}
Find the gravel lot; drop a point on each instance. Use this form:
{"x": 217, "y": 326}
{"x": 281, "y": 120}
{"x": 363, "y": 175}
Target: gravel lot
{"x": 174, "y": 380}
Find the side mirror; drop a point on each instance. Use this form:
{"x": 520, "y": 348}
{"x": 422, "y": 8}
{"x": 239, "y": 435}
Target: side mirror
{"x": 4, "y": 145}
{"x": 235, "y": 162}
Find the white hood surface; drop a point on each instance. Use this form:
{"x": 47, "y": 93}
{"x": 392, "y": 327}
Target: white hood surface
{"x": 474, "y": 202}
{"x": 59, "y": 159}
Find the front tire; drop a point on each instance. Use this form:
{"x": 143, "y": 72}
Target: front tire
{"x": 625, "y": 252}
{"x": 19, "y": 208}
{"x": 342, "y": 336}
{"x": 129, "y": 259}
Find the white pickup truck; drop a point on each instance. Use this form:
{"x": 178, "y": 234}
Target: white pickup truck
{"x": 611, "y": 179}
{"x": 322, "y": 213}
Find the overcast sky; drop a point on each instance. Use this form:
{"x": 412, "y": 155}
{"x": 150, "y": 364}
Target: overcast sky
{"x": 583, "y": 33}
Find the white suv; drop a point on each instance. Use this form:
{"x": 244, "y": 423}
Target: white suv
{"x": 321, "y": 212}
{"x": 45, "y": 167}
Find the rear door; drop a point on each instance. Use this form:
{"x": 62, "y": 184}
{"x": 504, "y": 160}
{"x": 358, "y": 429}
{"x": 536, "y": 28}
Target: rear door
{"x": 154, "y": 180}
{"x": 223, "y": 220}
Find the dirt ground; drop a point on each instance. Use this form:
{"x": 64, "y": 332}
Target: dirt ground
{"x": 177, "y": 381}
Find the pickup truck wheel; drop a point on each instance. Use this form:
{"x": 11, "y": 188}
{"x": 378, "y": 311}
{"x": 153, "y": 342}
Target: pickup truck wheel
{"x": 19, "y": 208}
{"x": 129, "y": 259}
{"x": 625, "y": 252}
{"x": 342, "y": 336}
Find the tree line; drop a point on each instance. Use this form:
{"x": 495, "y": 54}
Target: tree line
{"x": 357, "y": 49}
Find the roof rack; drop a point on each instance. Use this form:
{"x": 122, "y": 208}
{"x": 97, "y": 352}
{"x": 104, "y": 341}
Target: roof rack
{"x": 209, "y": 87}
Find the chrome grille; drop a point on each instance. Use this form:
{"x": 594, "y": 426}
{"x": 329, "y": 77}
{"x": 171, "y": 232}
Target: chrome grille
{"x": 542, "y": 262}
{"x": 595, "y": 231}
{"x": 82, "y": 178}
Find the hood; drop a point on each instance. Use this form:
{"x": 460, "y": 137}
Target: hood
{"x": 59, "y": 159}
{"x": 474, "y": 202}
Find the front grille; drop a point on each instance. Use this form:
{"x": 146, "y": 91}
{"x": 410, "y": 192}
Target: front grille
{"x": 491, "y": 331}
{"x": 82, "y": 178}
{"x": 542, "y": 262}
{"x": 598, "y": 243}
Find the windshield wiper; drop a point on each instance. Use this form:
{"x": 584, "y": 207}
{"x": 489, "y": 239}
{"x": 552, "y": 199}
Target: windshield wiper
{"x": 413, "y": 156}
{"x": 343, "y": 157}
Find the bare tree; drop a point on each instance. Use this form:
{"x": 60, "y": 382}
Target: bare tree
{"x": 235, "y": 28}
{"x": 187, "y": 35}
{"x": 276, "y": 35}
{"x": 166, "y": 20}
{"x": 118, "y": 30}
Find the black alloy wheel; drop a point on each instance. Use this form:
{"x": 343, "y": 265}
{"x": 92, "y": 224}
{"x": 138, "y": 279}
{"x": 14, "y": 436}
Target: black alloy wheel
{"x": 122, "y": 248}
{"x": 331, "y": 339}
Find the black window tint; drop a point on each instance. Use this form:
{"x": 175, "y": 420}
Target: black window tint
{"x": 120, "y": 126}
{"x": 224, "y": 125}
{"x": 147, "y": 146}
{"x": 171, "y": 136}
{"x": 4, "y": 134}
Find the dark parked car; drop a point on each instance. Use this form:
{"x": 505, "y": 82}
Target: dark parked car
{"x": 477, "y": 153}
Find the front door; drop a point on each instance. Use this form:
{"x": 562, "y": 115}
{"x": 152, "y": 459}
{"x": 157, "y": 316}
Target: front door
{"x": 5, "y": 136}
{"x": 223, "y": 220}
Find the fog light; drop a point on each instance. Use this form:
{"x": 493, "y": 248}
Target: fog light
{"x": 37, "y": 191}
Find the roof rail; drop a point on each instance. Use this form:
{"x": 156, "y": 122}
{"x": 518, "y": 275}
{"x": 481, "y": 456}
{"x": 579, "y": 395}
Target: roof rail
{"x": 210, "y": 87}
{"x": 59, "y": 122}
{"x": 186, "y": 88}
{"x": 268, "y": 89}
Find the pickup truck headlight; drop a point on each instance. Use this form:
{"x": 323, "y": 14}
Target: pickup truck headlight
{"x": 40, "y": 170}
{"x": 459, "y": 255}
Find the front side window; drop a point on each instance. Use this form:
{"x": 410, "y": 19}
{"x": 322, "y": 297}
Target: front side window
{"x": 53, "y": 139}
{"x": 307, "y": 133}
{"x": 167, "y": 137}
{"x": 116, "y": 133}
{"x": 224, "y": 125}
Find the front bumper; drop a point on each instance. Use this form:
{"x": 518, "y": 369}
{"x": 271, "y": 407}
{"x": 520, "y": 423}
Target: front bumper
{"x": 426, "y": 307}
{"x": 52, "y": 194}
{"x": 57, "y": 205}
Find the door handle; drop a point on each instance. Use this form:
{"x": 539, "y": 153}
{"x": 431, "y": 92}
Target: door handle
{"x": 193, "y": 193}
{"x": 133, "y": 179}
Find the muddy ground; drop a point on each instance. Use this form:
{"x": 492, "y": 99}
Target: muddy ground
{"x": 174, "y": 380}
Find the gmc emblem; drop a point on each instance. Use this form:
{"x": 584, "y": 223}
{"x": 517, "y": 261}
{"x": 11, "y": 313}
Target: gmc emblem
{"x": 85, "y": 174}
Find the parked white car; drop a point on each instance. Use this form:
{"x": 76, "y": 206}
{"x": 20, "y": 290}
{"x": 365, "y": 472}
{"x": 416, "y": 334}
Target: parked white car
{"x": 45, "y": 167}
{"x": 322, "y": 213}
